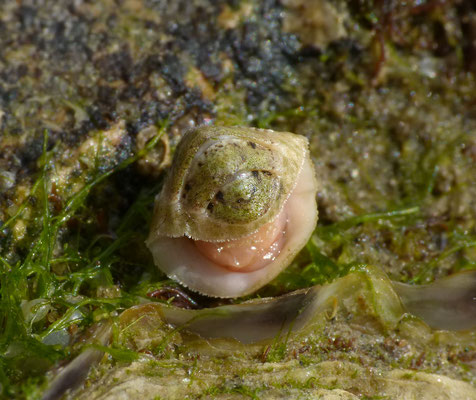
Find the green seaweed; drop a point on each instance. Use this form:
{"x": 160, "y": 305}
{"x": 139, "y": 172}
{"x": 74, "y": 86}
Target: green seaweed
{"x": 71, "y": 298}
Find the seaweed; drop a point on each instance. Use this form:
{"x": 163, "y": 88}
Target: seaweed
{"x": 40, "y": 334}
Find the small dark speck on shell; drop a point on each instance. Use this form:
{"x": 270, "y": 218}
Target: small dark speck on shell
{"x": 219, "y": 196}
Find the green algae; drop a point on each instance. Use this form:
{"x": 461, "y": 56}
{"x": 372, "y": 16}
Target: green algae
{"x": 33, "y": 278}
